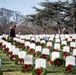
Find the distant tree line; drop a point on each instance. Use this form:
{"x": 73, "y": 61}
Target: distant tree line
{"x": 59, "y": 15}
{"x": 54, "y": 16}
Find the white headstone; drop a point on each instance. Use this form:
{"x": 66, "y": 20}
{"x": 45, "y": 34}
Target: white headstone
{"x": 49, "y": 44}
{"x": 64, "y": 42}
{"x": 57, "y": 40}
{"x": 32, "y": 45}
{"x": 22, "y": 41}
{"x": 51, "y": 39}
{"x": 70, "y": 60}
{"x": 43, "y": 41}
{"x": 57, "y": 46}
{"x": 45, "y": 51}
{"x": 40, "y": 36}
{"x": 27, "y": 37}
{"x": 16, "y": 51}
{"x": 28, "y": 59}
{"x": 15, "y": 39}
{"x": 8, "y": 45}
{"x": 40, "y": 62}
{"x": 11, "y": 48}
{"x": 69, "y": 39}
{"x": 66, "y": 49}
{"x": 72, "y": 44}
{"x": 57, "y": 36}
{"x": 33, "y": 39}
{"x": 37, "y": 39}
{"x": 38, "y": 48}
{"x": 74, "y": 52}
{"x": 66, "y": 36}
{"x": 27, "y": 43}
{"x": 55, "y": 55}
{"x": 62, "y": 38}
{"x": 22, "y": 54}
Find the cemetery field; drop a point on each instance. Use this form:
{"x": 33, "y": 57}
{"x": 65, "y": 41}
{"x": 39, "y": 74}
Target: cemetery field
{"x": 10, "y": 68}
{"x": 54, "y": 55}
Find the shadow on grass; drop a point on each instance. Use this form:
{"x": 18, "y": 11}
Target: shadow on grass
{"x": 9, "y": 70}
{"x": 6, "y": 63}
{"x": 53, "y": 71}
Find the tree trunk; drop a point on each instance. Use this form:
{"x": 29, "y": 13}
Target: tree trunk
{"x": 44, "y": 30}
{"x": 59, "y": 30}
{"x": 74, "y": 2}
{"x": 75, "y": 21}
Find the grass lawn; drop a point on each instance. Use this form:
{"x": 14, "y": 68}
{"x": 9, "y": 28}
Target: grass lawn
{"x": 10, "y": 68}
{"x": 19, "y": 73}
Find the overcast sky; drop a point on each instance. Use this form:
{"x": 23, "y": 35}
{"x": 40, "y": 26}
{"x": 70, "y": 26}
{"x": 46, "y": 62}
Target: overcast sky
{"x": 24, "y": 6}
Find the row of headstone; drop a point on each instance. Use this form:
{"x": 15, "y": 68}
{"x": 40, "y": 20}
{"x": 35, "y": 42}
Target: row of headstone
{"x": 29, "y": 59}
{"x": 56, "y": 44}
{"x": 57, "y": 37}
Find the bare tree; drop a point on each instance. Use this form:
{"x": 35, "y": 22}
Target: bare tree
{"x": 17, "y": 17}
{"x": 9, "y": 17}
